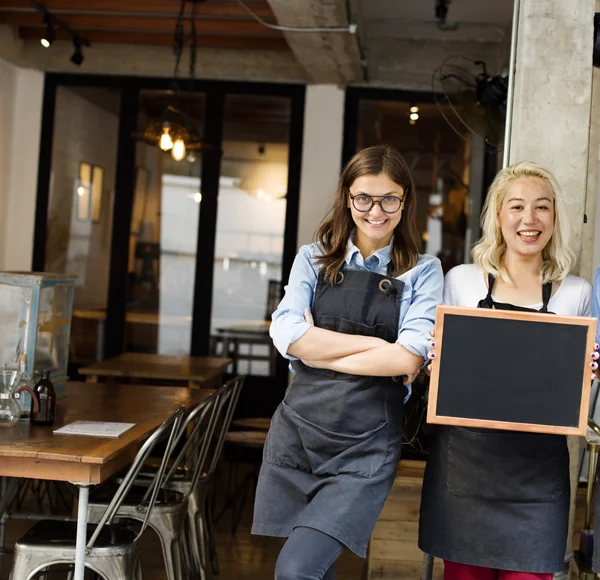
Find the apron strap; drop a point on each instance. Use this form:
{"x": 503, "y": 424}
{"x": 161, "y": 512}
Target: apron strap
{"x": 488, "y": 301}
{"x": 546, "y": 295}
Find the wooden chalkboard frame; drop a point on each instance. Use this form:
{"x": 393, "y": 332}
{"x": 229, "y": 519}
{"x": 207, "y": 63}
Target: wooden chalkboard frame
{"x": 443, "y": 311}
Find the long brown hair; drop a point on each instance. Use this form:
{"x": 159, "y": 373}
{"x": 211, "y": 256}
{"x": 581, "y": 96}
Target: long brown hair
{"x": 335, "y": 230}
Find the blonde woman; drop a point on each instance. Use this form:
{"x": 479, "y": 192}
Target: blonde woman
{"x": 495, "y": 504}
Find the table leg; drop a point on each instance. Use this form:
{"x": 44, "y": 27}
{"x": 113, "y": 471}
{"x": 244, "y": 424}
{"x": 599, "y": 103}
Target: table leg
{"x": 100, "y": 341}
{"x": 81, "y": 541}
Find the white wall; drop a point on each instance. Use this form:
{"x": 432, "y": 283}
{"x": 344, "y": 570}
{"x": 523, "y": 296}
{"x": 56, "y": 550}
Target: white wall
{"x": 321, "y": 155}
{"x": 21, "y": 95}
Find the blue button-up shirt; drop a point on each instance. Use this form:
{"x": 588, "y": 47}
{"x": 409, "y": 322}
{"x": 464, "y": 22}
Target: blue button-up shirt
{"x": 423, "y": 288}
{"x": 596, "y": 303}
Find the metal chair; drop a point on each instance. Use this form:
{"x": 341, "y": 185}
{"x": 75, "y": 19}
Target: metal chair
{"x": 200, "y": 509}
{"x": 169, "y": 514}
{"x": 181, "y": 517}
{"x": 112, "y": 548}
{"x": 197, "y": 485}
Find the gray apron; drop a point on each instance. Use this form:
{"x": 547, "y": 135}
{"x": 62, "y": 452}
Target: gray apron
{"x": 331, "y": 453}
{"x": 497, "y": 499}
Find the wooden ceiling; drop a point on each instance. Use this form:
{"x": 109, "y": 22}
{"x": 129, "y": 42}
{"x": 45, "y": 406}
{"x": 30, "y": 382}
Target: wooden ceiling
{"x": 222, "y": 24}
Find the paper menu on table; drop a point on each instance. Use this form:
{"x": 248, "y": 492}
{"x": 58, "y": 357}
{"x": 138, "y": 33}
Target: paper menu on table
{"x": 95, "y": 428}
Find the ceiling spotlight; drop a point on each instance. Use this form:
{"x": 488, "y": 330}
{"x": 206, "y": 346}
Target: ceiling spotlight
{"x": 414, "y": 116}
{"x": 48, "y": 37}
{"x": 77, "y": 56}
{"x": 412, "y": 121}
{"x": 414, "y": 109}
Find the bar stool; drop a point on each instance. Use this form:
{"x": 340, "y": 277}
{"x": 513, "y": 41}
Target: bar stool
{"x": 112, "y": 549}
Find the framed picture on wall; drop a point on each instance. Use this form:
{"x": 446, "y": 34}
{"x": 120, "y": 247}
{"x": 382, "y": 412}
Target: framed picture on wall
{"x": 96, "y": 197}
{"x": 89, "y": 192}
{"x": 84, "y": 186}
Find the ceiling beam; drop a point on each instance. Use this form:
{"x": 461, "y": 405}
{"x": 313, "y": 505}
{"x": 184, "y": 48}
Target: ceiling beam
{"x": 139, "y": 24}
{"x": 159, "y": 39}
{"x": 219, "y": 8}
{"x": 327, "y": 57}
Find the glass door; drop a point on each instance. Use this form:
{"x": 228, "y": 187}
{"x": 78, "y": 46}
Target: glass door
{"x": 164, "y": 227}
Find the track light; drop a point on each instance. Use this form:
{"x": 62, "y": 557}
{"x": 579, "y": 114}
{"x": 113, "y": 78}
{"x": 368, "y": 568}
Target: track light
{"x": 77, "y": 56}
{"x": 48, "y": 37}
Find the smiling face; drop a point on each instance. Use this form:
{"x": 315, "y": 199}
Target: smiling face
{"x": 526, "y": 217}
{"x": 374, "y": 228}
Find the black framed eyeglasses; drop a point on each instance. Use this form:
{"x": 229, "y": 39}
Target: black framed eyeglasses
{"x": 388, "y": 203}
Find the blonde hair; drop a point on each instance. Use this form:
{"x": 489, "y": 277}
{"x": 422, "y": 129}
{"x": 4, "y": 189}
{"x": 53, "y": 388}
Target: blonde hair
{"x": 557, "y": 256}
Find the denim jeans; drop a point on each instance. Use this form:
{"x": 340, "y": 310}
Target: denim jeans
{"x": 308, "y": 554}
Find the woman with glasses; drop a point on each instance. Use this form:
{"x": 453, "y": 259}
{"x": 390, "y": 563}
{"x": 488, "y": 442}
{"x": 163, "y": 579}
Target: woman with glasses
{"x": 355, "y": 323}
{"x": 495, "y": 504}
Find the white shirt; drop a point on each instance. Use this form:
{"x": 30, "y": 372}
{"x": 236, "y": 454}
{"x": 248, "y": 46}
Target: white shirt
{"x": 466, "y": 285}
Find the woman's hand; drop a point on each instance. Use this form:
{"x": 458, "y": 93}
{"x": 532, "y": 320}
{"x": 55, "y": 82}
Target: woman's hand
{"x": 410, "y": 379}
{"x": 316, "y": 364}
{"x": 308, "y": 317}
{"x": 431, "y": 355}
{"x": 595, "y": 356}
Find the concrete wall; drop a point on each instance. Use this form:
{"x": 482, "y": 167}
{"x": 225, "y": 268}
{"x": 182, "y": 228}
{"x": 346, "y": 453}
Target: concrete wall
{"x": 552, "y": 104}
{"x": 21, "y": 92}
{"x": 321, "y": 155}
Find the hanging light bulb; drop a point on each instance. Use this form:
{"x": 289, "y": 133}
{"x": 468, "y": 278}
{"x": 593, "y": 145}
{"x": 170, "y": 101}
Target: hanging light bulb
{"x": 178, "y": 151}
{"x": 165, "y": 142}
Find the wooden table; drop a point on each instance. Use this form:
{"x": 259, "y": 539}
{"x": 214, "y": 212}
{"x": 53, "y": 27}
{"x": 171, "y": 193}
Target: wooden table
{"x": 36, "y": 452}
{"x": 197, "y": 371}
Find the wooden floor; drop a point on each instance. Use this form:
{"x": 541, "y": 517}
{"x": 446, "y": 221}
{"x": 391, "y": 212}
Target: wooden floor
{"x": 242, "y": 556}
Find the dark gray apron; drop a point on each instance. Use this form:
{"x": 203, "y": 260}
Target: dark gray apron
{"x": 331, "y": 453}
{"x": 497, "y": 499}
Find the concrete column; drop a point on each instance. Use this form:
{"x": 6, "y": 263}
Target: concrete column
{"x": 552, "y": 98}
{"x": 321, "y": 155}
{"x": 551, "y": 119}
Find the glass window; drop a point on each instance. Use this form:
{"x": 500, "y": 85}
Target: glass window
{"x": 440, "y": 162}
{"x": 84, "y": 159}
{"x": 250, "y": 229}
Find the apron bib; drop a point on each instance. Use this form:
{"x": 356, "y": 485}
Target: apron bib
{"x": 497, "y": 499}
{"x": 334, "y": 443}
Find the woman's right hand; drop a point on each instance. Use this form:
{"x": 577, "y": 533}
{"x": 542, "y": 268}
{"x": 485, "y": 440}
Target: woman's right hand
{"x": 431, "y": 355}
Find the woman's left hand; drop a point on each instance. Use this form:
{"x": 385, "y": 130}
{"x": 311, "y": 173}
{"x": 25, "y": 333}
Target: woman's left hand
{"x": 316, "y": 364}
{"x": 409, "y": 379}
{"x": 595, "y": 356}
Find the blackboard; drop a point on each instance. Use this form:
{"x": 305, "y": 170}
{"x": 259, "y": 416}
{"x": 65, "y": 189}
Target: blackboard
{"x": 518, "y": 371}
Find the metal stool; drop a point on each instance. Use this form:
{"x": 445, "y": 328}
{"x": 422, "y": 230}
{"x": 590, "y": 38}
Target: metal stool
{"x": 112, "y": 548}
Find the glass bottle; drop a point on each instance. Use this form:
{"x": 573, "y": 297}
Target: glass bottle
{"x": 46, "y": 398}
{"x": 9, "y": 408}
{"x": 24, "y": 388}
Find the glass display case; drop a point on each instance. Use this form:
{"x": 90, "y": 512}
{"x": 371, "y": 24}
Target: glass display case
{"x": 35, "y": 319}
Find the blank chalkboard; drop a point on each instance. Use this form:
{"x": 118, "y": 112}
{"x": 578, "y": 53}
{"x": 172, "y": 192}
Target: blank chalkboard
{"x": 518, "y": 371}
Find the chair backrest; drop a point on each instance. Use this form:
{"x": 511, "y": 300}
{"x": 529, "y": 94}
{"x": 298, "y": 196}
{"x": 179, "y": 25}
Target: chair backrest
{"x": 196, "y": 432}
{"x": 225, "y": 410}
{"x": 170, "y": 429}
